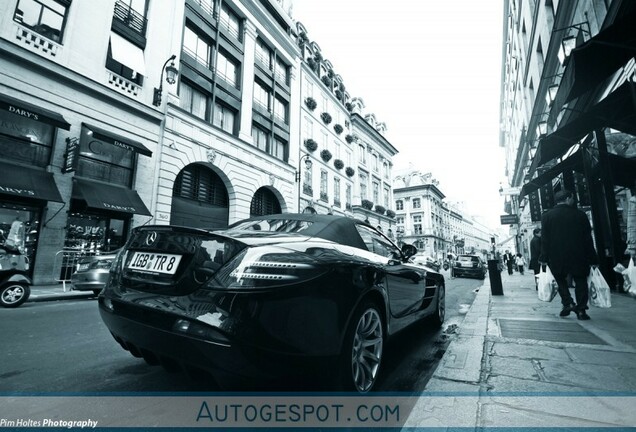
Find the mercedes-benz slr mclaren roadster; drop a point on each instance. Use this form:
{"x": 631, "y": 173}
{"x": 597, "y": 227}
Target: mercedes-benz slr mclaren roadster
{"x": 271, "y": 299}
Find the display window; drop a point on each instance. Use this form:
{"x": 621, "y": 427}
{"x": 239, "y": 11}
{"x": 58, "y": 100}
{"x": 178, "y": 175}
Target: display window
{"x": 20, "y": 229}
{"x": 95, "y": 233}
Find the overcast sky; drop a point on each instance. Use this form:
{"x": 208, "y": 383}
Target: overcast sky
{"x": 431, "y": 71}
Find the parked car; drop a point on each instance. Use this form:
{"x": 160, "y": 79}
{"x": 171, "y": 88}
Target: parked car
{"x": 426, "y": 261}
{"x": 14, "y": 280}
{"x": 270, "y": 298}
{"x": 92, "y": 272}
{"x": 469, "y": 265}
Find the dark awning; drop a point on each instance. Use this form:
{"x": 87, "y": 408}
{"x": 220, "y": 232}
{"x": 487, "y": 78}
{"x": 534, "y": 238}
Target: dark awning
{"x": 616, "y": 111}
{"x": 102, "y": 196}
{"x": 18, "y": 181}
{"x": 601, "y": 56}
{"x": 623, "y": 170}
{"x": 574, "y": 162}
{"x": 33, "y": 112}
{"x": 118, "y": 140}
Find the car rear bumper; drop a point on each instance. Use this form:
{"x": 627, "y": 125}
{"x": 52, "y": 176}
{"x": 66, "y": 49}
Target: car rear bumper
{"x": 88, "y": 281}
{"x": 156, "y": 337}
{"x": 469, "y": 272}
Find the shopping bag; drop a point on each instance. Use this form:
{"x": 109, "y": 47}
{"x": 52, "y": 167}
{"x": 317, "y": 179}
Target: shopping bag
{"x": 629, "y": 277}
{"x": 547, "y": 287}
{"x": 599, "y": 290}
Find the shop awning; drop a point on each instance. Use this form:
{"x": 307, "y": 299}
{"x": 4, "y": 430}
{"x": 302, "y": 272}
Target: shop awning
{"x": 103, "y": 196}
{"x": 127, "y": 53}
{"x": 616, "y": 111}
{"x": 118, "y": 140}
{"x": 623, "y": 170}
{"x": 601, "y": 56}
{"x": 18, "y": 181}
{"x": 574, "y": 162}
{"x": 33, "y": 112}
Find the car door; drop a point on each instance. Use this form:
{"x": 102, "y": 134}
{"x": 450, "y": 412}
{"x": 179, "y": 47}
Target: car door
{"x": 405, "y": 282}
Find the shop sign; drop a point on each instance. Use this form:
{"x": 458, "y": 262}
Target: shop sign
{"x": 509, "y": 219}
{"x": 115, "y": 207}
{"x": 16, "y": 191}
{"x": 535, "y": 206}
{"x": 71, "y": 155}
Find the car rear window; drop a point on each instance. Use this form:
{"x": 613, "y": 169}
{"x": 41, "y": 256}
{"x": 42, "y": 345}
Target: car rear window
{"x": 468, "y": 258}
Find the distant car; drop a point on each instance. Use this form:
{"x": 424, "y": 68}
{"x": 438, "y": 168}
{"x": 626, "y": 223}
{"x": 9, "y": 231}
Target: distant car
{"x": 92, "y": 272}
{"x": 271, "y": 298}
{"x": 426, "y": 261}
{"x": 469, "y": 265}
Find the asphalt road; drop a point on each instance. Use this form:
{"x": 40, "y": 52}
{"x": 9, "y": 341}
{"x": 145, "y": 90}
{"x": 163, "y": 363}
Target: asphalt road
{"x": 63, "y": 346}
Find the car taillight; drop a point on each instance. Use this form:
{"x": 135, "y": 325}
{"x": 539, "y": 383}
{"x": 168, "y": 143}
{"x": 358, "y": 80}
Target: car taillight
{"x": 266, "y": 267}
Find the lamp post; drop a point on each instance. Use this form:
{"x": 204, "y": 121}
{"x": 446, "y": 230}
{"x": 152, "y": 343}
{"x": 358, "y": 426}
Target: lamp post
{"x": 171, "y": 78}
{"x": 308, "y": 164}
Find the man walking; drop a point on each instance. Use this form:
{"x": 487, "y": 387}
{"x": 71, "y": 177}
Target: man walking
{"x": 567, "y": 248}
{"x": 509, "y": 261}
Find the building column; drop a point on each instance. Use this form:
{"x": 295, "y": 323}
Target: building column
{"x": 245, "y": 132}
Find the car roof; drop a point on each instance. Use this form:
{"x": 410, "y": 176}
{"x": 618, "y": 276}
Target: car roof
{"x": 339, "y": 229}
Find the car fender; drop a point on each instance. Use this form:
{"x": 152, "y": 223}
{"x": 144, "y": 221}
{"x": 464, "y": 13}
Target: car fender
{"x": 16, "y": 277}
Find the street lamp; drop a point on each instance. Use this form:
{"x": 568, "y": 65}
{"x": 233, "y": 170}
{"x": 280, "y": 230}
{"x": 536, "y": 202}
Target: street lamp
{"x": 171, "y": 78}
{"x": 308, "y": 164}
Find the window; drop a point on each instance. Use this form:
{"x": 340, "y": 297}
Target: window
{"x": 378, "y": 244}
{"x": 230, "y": 21}
{"x": 417, "y": 224}
{"x": 308, "y": 181}
{"x": 309, "y": 88}
{"x": 196, "y": 47}
{"x": 363, "y": 186}
{"x": 376, "y": 192}
{"x": 263, "y": 54}
{"x": 417, "y": 203}
{"x": 376, "y": 166}
{"x": 192, "y": 100}
{"x": 280, "y": 110}
{"x": 324, "y": 185}
{"x": 281, "y": 72}
{"x": 399, "y": 205}
{"x": 363, "y": 154}
{"x": 279, "y": 149}
{"x": 261, "y": 96}
{"x": 45, "y": 17}
{"x": 224, "y": 118}
{"x": 260, "y": 137}
{"x": 125, "y": 59}
{"x": 199, "y": 183}
{"x": 386, "y": 197}
{"x": 399, "y": 220}
{"x": 336, "y": 191}
{"x": 24, "y": 140}
{"x": 226, "y": 68}
{"x": 309, "y": 128}
{"x": 386, "y": 170}
{"x": 348, "y": 195}
{"x": 132, "y": 15}
{"x": 104, "y": 161}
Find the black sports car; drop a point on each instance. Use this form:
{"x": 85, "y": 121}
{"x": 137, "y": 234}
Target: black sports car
{"x": 271, "y": 298}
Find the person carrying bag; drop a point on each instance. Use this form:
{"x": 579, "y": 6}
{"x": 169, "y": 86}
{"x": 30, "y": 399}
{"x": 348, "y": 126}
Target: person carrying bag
{"x": 547, "y": 287}
{"x": 600, "y": 295}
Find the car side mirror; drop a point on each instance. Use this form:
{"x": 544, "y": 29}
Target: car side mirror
{"x": 408, "y": 251}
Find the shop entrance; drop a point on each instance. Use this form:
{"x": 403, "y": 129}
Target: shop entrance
{"x": 20, "y": 229}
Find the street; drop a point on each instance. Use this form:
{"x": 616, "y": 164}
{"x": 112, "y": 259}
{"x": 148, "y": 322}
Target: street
{"x": 63, "y": 346}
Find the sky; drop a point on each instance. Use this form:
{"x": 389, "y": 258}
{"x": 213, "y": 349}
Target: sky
{"x": 431, "y": 71}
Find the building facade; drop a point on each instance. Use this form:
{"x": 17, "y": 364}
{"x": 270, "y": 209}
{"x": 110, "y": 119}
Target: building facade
{"x": 566, "y": 114}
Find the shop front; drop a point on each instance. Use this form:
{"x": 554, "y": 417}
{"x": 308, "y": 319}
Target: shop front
{"x": 27, "y": 135}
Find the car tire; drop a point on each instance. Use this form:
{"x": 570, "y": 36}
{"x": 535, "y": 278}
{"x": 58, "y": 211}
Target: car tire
{"x": 13, "y": 295}
{"x": 438, "y": 318}
{"x": 361, "y": 356}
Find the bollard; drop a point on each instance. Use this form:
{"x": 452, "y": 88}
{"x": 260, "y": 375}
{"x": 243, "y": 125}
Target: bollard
{"x": 496, "y": 287}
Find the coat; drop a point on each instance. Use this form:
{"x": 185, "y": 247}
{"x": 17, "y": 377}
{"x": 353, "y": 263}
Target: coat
{"x": 535, "y": 251}
{"x": 566, "y": 241}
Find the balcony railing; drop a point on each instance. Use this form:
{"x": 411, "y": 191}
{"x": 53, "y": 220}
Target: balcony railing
{"x": 130, "y": 18}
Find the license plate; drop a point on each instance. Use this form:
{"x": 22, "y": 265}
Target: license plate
{"x": 83, "y": 267}
{"x": 154, "y": 262}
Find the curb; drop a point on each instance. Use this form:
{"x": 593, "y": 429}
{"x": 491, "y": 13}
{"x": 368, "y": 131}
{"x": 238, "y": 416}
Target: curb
{"x": 52, "y": 297}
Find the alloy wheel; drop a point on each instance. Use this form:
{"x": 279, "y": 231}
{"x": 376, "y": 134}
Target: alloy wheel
{"x": 13, "y": 294}
{"x": 366, "y": 353}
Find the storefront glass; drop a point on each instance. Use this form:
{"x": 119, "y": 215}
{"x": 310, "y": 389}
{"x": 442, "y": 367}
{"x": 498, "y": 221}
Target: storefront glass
{"x": 19, "y": 228}
{"x": 94, "y": 233}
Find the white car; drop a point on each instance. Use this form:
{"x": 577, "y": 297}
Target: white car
{"x": 426, "y": 261}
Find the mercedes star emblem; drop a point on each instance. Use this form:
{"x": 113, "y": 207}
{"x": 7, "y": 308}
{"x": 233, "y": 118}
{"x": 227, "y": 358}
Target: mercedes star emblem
{"x": 152, "y": 237}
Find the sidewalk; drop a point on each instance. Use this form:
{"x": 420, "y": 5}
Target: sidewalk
{"x": 517, "y": 346}
{"x": 56, "y": 292}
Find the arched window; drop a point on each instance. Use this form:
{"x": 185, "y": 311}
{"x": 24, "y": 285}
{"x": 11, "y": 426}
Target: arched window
{"x": 264, "y": 202}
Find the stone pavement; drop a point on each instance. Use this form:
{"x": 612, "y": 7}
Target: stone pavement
{"x": 515, "y": 363}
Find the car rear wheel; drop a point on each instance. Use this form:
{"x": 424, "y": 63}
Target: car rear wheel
{"x": 440, "y": 314}
{"x": 363, "y": 348}
{"x": 14, "y": 294}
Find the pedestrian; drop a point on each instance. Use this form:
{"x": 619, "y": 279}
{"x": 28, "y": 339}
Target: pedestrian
{"x": 508, "y": 261}
{"x": 568, "y": 249}
{"x": 535, "y": 251}
{"x": 520, "y": 261}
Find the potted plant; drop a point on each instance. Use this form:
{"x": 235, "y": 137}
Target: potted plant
{"x": 326, "y": 117}
{"x": 350, "y": 171}
{"x": 365, "y": 203}
{"x": 380, "y": 209}
{"x": 338, "y": 128}
{"x": 349, "y": 106}
{"x": 390, "y": 213}
{"x": 311, "y": 103}
{"x": 311, "y": 145}
{"x": 325, "y": 155}
{"x": 349, "y": 138}
{"x": 339, "y": 164}
{"x": 327, "y": 81}
{"x": 339, "y": 95}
